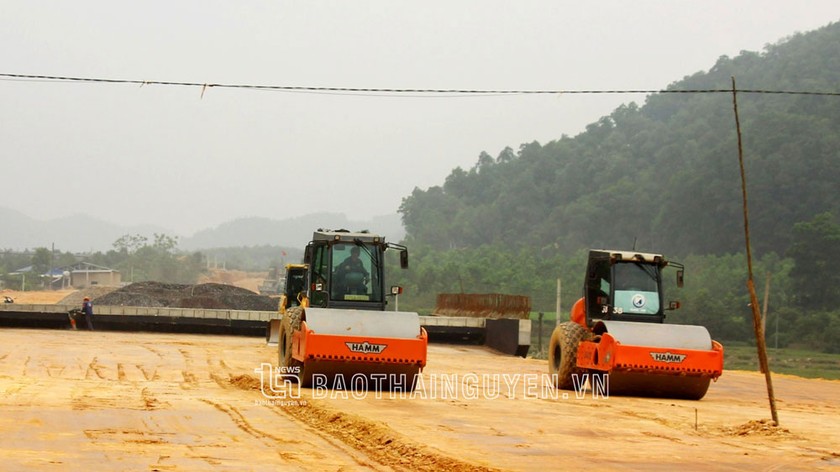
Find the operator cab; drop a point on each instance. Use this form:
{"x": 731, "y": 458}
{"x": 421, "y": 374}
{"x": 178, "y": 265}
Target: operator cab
{"x": 346, "y": 269}
{"x": 626, "y": 286}
{"x": 295, "y": 285}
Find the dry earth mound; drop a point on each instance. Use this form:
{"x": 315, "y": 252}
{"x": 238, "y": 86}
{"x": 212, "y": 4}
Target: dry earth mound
{"x": 209, "y": 296}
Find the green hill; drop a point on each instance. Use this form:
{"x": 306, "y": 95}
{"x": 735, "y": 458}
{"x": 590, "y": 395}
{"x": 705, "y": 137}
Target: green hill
{"x": 663, "y": 177}
{"x": 664, "y": 174}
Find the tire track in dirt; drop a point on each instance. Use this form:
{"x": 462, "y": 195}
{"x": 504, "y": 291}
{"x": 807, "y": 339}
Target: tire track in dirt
{"x": 190, "y": 380}
{"x": 220, "y": 380}
{"x": 376, "y": 440}
{"x": 373, "y": 439}
{"x": 247, "y": 382}
{"x": 214, "y": 461}
{"x": 243, "y": 424}
{"x": 152, "y": 350}
{"x": 131, "y": 436}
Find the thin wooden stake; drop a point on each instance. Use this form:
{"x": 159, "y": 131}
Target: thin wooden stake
{"x": 764, "y": 308}
{"x": 759, "y": 332}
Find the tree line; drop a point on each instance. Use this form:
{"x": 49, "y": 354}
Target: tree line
{"x": 665, "y": 174}
{"x": 803, "y": 303}
{"x": 136, "y": 257}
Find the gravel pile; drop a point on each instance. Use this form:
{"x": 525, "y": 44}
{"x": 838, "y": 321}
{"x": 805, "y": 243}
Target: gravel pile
{"x": 209, "y": 296}
{"x": 78, "y": 296}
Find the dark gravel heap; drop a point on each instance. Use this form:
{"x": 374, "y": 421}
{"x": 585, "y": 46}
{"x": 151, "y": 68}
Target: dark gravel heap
{"x": 210, "y": 296}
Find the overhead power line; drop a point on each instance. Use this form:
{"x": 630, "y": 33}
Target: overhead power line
{"x": 395, "y": 91}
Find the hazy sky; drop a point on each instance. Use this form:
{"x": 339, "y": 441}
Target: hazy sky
{"x": 164, "y": 155}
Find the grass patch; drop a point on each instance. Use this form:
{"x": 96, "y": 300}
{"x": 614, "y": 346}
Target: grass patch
{"x": 800, "y": 362}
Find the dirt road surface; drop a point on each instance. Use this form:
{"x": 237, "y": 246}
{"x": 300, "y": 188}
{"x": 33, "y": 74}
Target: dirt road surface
{"x": 143, "y": 401}
{"x": 37, "y": 297}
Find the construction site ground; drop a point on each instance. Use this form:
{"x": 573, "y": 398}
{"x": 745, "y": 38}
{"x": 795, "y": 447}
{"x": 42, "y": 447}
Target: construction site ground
{"x": 77, "y": 400}
{"x": 147, "y": 401}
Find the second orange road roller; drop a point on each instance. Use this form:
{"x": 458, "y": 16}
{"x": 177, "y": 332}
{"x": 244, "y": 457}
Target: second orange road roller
{"x": 617, "y": 339}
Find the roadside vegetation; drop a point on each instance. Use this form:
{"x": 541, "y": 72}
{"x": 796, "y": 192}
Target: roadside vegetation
{"x": 791, "y": 361}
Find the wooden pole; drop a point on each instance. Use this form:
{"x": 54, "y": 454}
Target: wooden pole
{"x": 759, "y": 332}
{"x": 764, "y": 309}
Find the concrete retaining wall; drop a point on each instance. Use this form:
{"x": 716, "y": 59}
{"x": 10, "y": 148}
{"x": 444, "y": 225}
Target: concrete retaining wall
{"x": 505, "y": 335}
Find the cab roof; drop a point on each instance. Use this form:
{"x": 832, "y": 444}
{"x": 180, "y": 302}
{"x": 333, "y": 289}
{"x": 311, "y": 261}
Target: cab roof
{"x": 633, "y": 256}
{"x": 344, "y": 235}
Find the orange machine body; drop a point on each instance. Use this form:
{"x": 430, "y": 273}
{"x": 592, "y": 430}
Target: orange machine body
{"x": 308, "y": 345}
{"x": 609, "y": 355}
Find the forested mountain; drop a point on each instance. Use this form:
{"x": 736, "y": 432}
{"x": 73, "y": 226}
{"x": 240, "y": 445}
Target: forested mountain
{"x": 663, "y": 177}
{"x": 664, "y": 174}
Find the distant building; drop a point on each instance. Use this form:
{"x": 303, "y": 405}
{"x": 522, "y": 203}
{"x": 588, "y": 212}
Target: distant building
{"x": 78, "y": 276}
{"x": 85, "y": 274}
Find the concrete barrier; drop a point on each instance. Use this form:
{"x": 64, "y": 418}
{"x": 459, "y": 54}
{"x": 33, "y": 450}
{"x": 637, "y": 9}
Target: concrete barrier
{"x": 508, "y": 336}
{"x": 130, "y": 318}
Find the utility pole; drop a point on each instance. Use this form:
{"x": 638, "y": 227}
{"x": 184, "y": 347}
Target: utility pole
{"x": 759, "y": 332}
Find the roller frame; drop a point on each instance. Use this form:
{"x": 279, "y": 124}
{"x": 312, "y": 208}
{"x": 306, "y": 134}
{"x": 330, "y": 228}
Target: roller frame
{"x": 651, "y": 348}
{"x": 333, "y": 355}
{"x": 609, "y": 355}
{"x": 651, "y": 371}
